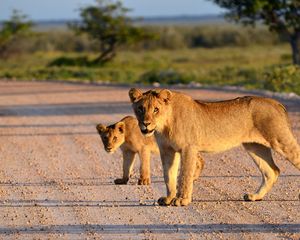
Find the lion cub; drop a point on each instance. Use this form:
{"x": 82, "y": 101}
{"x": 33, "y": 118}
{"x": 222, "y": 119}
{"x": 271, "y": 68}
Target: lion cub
{"x": 127, "y": 135}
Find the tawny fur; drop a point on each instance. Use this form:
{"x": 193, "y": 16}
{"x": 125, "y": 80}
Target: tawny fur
{"x": 184, "y": 126}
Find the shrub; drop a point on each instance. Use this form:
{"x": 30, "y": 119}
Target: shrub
{"x": 236, "y": 76}
{"x": 283, "y": 78}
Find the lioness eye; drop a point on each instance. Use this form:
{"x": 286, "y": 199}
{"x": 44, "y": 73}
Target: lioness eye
{"x": 141, "y": 109}
{"x": 115, "y": 139}
{"x": 155, "y": 110}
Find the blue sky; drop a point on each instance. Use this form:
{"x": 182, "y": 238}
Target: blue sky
{"x": 66, "y": 9}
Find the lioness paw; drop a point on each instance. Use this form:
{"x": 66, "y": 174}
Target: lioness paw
{"x": 180, "y": 202}
{"x": 164, "y": 201}
{"x": 144, "y": 181}
{"x": 121, "y": 181}
{"x": 251, "y": 197}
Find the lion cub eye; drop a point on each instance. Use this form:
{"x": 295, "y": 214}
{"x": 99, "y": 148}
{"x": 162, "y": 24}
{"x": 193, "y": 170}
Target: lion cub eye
{"x": 156, "y": 110}
{"x": 115, "y": 139}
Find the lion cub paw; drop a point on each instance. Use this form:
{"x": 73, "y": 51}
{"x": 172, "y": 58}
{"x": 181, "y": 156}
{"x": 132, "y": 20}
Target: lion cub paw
{"x": 180, "y": 202}
{"x": 251, "y": 197}
{"x": 144, "y": 181}
{"x": 121, "y": 181}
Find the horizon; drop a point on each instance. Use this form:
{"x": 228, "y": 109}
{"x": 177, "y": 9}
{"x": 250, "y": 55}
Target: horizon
{"x": 158, "y": 17}
{"x": 68, "y": 9}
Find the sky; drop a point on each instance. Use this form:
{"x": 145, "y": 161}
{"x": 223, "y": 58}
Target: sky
{"x": 68, "y": 9}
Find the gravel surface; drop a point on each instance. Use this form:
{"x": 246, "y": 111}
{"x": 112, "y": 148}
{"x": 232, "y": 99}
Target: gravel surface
{"x": 56, "y": 180}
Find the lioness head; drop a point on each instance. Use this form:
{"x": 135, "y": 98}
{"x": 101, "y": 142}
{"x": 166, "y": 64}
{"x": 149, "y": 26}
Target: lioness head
{"x": 150, "y": 108}
{"x": 112, "y": 136}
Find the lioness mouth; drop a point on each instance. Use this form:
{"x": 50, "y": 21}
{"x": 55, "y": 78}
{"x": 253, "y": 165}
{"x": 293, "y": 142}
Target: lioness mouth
{"x": 146, "y": 131}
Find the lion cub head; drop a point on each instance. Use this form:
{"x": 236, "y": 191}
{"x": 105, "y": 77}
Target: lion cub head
{"x": 151, "y": 108}
{"x": 112, "y": 136}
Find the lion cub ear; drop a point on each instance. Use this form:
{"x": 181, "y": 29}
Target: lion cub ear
{"x": 165, "y": 95}
{"x": 101, "y": 128}
{"x": 121, "y": 127}
{"x": 135, "y": 94}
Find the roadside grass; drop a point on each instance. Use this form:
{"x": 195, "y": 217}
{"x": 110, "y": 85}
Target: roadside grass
{"x": 251, "y": 67}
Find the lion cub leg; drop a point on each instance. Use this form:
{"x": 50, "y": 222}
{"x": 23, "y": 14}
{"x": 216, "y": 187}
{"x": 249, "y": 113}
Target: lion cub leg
{"x": 199, "y": 167}
{"x": 262, "y": 157}
{"x": 128, "y": 160}
{"x": 170, "y": 161}
{"x": 145, "y": 155}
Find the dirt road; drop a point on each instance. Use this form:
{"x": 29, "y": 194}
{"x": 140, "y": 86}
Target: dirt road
{"x": 56, "y": 181}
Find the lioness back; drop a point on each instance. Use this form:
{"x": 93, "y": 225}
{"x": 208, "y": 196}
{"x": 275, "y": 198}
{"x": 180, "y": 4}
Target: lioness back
{"x": 245, "y": 119}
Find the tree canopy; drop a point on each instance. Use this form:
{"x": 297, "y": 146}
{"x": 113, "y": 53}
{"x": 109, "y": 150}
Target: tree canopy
{"x": 17, "y": 26}
{"x": 281, "y": 16}
{"x": 108, "y": 23}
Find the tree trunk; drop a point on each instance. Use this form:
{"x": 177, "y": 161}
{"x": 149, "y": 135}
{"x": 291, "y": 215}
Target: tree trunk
{"x": 105, "y": 57}
{"x": 295, "y": 44}
{"x": 108, "y": 53}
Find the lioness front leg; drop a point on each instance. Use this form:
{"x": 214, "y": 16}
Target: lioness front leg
{"x": 170, "y": 161}
{"x": 128, "y": 160}
{"x": 145, "y": 167}
{"x": 185, "y": 189}
{"x": 199, "y": 166}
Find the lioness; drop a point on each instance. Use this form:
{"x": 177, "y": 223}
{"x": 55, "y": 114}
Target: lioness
{"x": 127, "y": 135}
{"x": 184, "y": 126}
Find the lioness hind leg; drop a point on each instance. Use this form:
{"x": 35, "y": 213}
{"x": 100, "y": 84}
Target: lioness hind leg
{"x": 263, "y": 159}
{"x": 128, "y": 160}
{"x": 289, "y": 148}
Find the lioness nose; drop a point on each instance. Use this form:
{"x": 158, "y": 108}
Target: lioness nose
{"x": 146, "y": 124}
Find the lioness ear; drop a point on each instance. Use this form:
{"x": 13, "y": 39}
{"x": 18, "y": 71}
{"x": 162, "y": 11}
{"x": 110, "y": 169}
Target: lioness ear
{"x": 121, "y": 127}
{"x": 165, "y": 95}
{"x": 101, "y": 128}
{"x": 135, "y": 94}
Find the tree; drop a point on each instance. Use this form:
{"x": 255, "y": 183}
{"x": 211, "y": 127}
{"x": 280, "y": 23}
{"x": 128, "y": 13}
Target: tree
{"x": 281, "y": 16}
{"x": 17, "y": 26}
{"x": 108, "y": 24}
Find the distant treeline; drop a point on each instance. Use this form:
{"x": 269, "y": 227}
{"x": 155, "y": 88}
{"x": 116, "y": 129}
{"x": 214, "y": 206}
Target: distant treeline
{"x": 209, "y": 36}
{"x": 167, "y": 37}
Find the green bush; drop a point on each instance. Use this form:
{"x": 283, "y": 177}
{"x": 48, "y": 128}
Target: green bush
{"x": 62, "y": 40}
{"x": 236, "y": 76}
{"x": 283, "y": 78}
